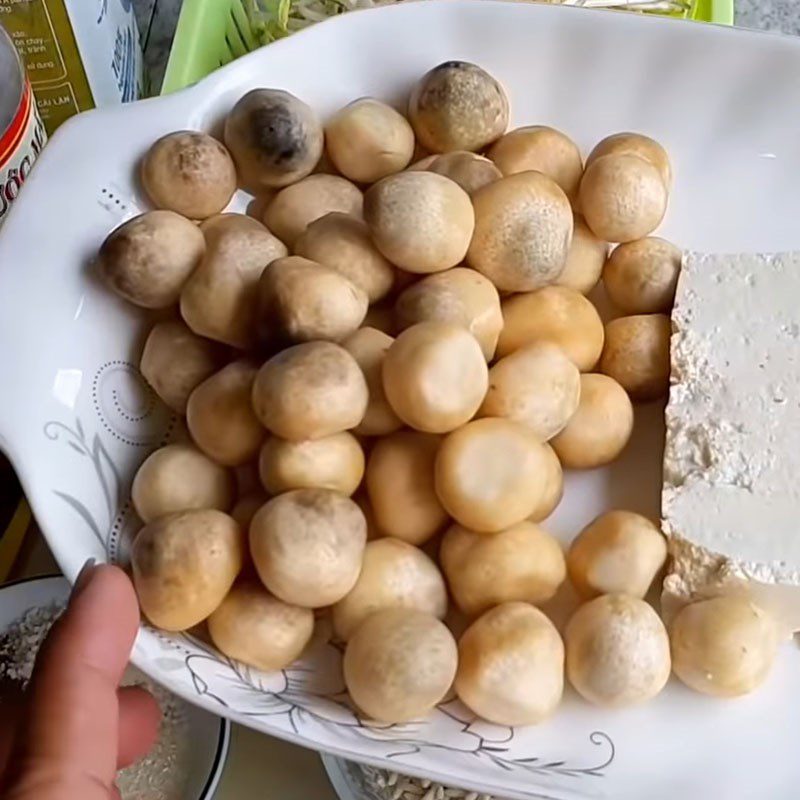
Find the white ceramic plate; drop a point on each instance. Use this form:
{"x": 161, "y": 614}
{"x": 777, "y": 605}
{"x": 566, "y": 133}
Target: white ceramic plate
{"x": 76, "y": 419}
{"x": 210, "y": 735}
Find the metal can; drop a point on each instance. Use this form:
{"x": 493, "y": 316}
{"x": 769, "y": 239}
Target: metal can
{"x": 22, "y": 134}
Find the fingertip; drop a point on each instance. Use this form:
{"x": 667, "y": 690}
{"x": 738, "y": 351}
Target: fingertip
{"x": 139, "y": 722}
{"x": 108, "y": 592}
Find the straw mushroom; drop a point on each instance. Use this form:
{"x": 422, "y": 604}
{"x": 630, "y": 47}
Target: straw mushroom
{"x": 491, "y": 473}
{"x": 175, "y": 361}
{"x": 637, "y": 355}
{"x": 399, "y": 664}
{"x": 635, "y": 144}
{"x": 342, "y": 242}
{"x": 587, "y": 255}
{"x": 622, "y": 197}
{"x": 724, "y": 646}
{"x": 555, "y": 315}
{"x": 149, "y": 258}
{"x": 220, "y": 416}
{"x": 394, "y": 574}
{"x": 307, "y": 546}
{"x": 511, "y": 666}
{"x": 190, "y": 173}
{"x": 459, "y": 296}
{"x": 435, "y": 376}
{"x": 617, "y": 651}
{"x": 256, "y": 628}
{"x": 369, "y": 346}
{"x": 536, "y": 385}
{"x": 420, "y": 221}
{"x": 294, "y": 208}
{"x": 540, "y": 149}
{"x": 302, "y": 301}
{"x": 601, "y": 427}
{"x": 274, "y": 138}
{"x": 458, "y": 106}
{"x": 220, "y": 300}
{"x": 332, "y": 462}
{"x": 522, "y": 563}
{"x": 309, "y": 391}
{"x": 523, "y": 229}
{"x": 641, "y": 277}
{"x": 619, "y": 552}
{"x": 399, "y": 480}
{"x": 368, "y": 140}
{"x": 179, "y": 477}
{"x": 184, "y": 565}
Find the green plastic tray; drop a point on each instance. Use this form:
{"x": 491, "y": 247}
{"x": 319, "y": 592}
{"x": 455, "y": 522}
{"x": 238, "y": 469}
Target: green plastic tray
{"x": 211, "y": 33}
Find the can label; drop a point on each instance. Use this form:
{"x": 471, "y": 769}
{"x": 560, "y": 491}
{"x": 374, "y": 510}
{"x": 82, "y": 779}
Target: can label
{"x": 20, "y": 145}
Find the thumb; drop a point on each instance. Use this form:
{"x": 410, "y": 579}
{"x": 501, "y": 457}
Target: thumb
{"x": 68, "y": 747}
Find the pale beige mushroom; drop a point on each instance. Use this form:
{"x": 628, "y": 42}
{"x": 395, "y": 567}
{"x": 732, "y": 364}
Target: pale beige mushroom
{"x": 636, "y": 144}
{"x": 601, "y": 427}
{"x": 523, "y": 229}
{"x": 622, "y": 197}
{"x": 490, "y": 474}
{"x": 540, "y": 149}
{"x": 179, "y": 477}
{"x": 636, "y": 354}
{"x": 641, "y": 277}
{"x": 148, "y": 259}
{"x": 619, "y": 552}
{"x": 617, "y": 651}
{"x": 220, "y": 300}
{"x": 458, "y": 106}
{"x": 553, "y": 487}
{"x": 332, "y": 462}
{"x": 435, "y": 376}
{"x": 307, "y": 546}
{"x": 220, "y": 416}
{"x": 309, "y": 391}
{"x": 399, "y": 480}
{"x": 343, "y": 243}
{"x": 183, "y": 566}
{"x": 294, "y": 208}
{"x": 587, "y": 255}
{"x": 511, "y": 666}
{"x": 368, "y": 140}
{"x": 555, "y": 315}
{"x": 522, "y": 563}
{"x": 274, "y": 138}
{"x": 469, "y": 170}
{"x": 724, "y": 646}
{"x": 399, "y": 664}
{"x": 420, "y": 221}
{"x": 536, "y": 385}
{"x": 256, "y": 628}
{"x": 369, "y": 346}
{"x": 394, "y": 574}
{"x": 302, "y": 301}
{"x": 459, "y": 296}
{"x": 189, "y": 172}
{"x": 176, "y": 361}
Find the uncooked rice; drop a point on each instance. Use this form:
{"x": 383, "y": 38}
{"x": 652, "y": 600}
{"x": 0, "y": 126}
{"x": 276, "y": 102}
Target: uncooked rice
{"x": 162, "y": 774}
{"x": 386, "y": 785}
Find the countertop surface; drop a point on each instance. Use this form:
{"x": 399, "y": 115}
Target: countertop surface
{"x": 260, "y": 767}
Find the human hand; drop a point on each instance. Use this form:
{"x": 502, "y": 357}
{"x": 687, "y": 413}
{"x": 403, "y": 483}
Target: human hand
{"x": 77, "y": 727}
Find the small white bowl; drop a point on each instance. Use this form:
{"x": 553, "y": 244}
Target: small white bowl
{"x": 210, "y": 735}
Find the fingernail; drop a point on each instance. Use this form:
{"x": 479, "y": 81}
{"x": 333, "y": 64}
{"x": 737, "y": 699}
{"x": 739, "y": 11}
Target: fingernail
{"x": 83, "y": 577}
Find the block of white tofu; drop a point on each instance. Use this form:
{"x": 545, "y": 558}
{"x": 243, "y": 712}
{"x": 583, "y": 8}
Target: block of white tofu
{"x": 731, "y": 493}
